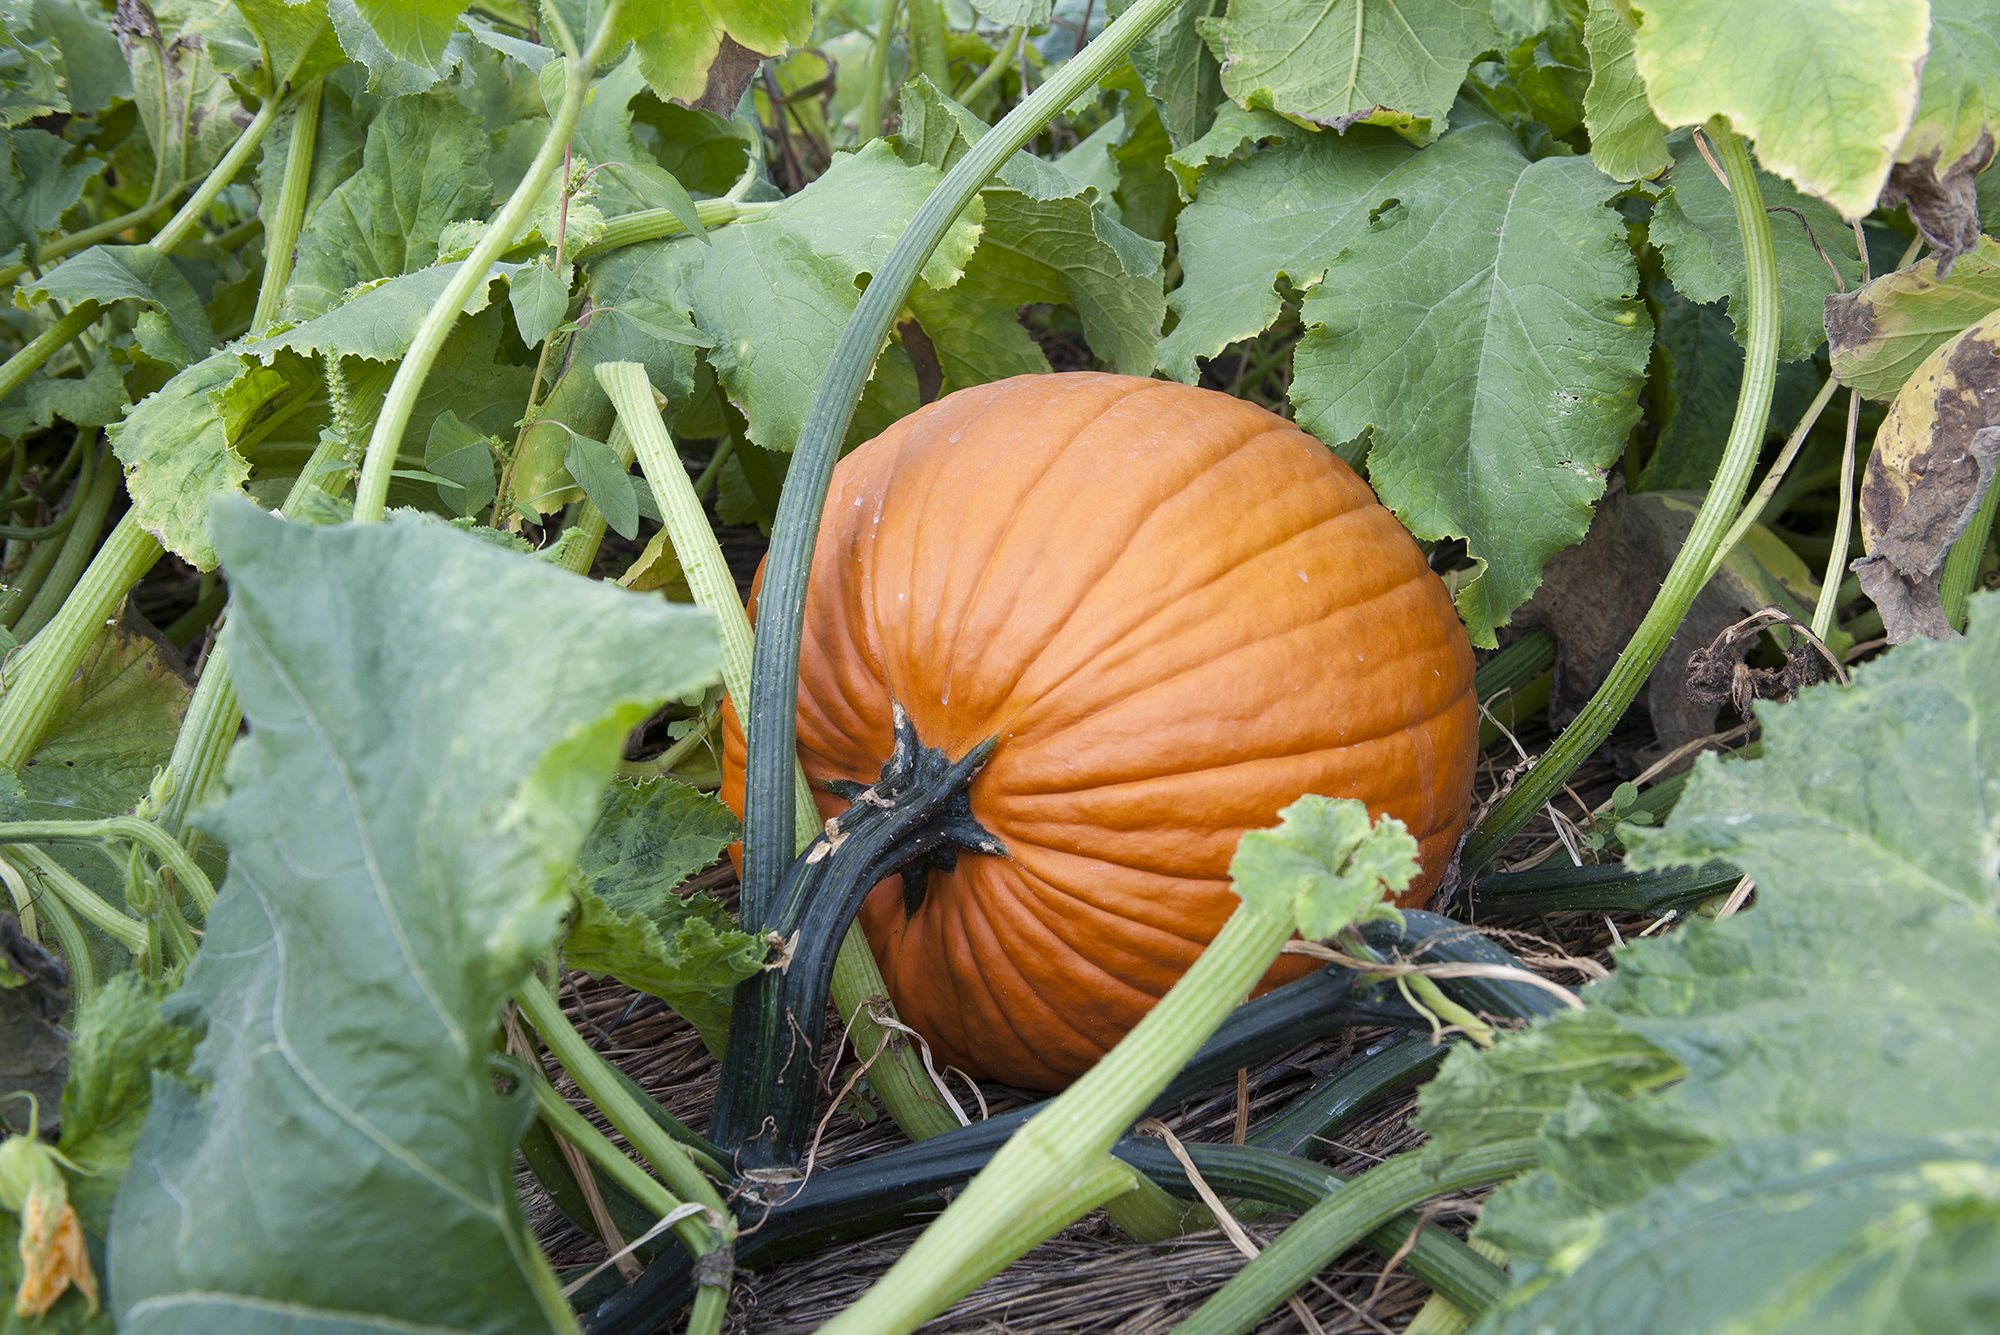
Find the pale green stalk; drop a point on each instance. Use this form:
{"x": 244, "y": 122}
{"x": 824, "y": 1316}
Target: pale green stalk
{"x": 927, "y": 53}
{"x": 90, "y": 236}
{"x": 899, "y": 1077}
{"x": 288, "y": 216}
{"x": 36, "y": 678}
{"x": 631, "y": 229}
{"x": 575, "y": 1128}
{"x": 995, "y": 67}
{"x": 74, "y": 557}
{"x": 371, "y": 493}
{"x": 43, "y": 345}
{"x": 1961, "y": 567}
{"x": 1691, "y": 566}
{"x": 126, "y": 930}
{"x": 869, "y": 125}
{"x": 127, "y": 829}
{"x": 1769, "y": 486}
{"x": 76, "y": 952}
{"x": 1063, "y": 1146}
{"x": 225, "y": 171}
{"x": 668, "y": 1157}
{"x": 1843, "y": 528}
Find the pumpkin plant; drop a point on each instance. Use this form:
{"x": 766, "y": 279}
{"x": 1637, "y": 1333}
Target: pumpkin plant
{"x": 1363, "y": 318}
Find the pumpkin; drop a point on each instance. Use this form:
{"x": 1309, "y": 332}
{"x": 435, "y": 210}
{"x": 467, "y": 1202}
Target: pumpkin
{"x": 1177, "y": 613}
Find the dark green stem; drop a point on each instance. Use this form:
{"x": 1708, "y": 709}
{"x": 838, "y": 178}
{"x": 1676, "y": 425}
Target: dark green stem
{"x": 1961, "y": 567}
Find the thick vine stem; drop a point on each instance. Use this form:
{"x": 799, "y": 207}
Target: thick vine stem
{"x": 915, "y": 816}
{"x": 130, "y": 829}
{"x": 632, "y": 229}
{"x": 288, "y": 217}
{"x": 1691, "y": 566}
{"x": 1961, "y": 566}
{"x": 73, "y": 559}
{"x": 1035, "y": 1176}
{"x": 773, "y": 713}
{"x": 43, "y": 345}
{"x": 1345, "y": 1218}
{"x": 36, "y": 678}
{"x": 897, "y": 1075}
{"x": 371, "y": 493}
{"x": 224, "y": 172}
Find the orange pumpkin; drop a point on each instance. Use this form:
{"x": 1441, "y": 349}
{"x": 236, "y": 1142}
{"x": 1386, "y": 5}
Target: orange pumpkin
{"x": 1177, "y": 612}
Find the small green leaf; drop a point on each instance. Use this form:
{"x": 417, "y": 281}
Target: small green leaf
{"x": 1350, "y": 62}
{"x": 122, "y": 1040}
{"x": 97, "y": 399}
{"x": 1824, "y": 91}
{"x": 1324, "y": 866}
{"x": 540, "y": 300}
{"x": 596, "y": 469}
{"x": 462, "y": 457}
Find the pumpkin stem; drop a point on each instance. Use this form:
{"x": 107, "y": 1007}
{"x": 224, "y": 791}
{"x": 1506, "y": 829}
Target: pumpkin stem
{"x": 917, "y": 815}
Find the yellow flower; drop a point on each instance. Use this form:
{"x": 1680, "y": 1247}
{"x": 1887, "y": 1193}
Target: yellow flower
{"x": 52, "y": 1251}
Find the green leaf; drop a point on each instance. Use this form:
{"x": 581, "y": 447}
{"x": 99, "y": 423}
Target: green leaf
{"x": 415, "y": 30}
{"x": 1181, "y": 74}
{"x": 540, "y": 300}
{"x": 1829, "y": 1155}
{"x": 1016, "y": 13}
{"x": 1881, "y": 333}
{"x": 29, "y": 84}
{"x": 797, "y": 269}
{"x": 1043, "y": 239}
{"x": 122, "y": 1040}
{"x": 678, "y": 43}
{"x": 1323, "y": 866}
{"x": 190, "y": 114}
{"x": 1481, "y": 325}
{"x": 399, "y": 831}
{"x": 36, "y": 189}
{"x": 1627, "y": 141}
{"x": 1824, "y": 91}
{"x": 631, "y": 924}
{"x": 704, "y": 151}
{"x": 424, "y": 167}
{"x": 1349, "y": 62}
{"x": 380, "y": 322}
{"x": 113, "y": 273}
{"x": 627, "y": 178}
{"x": 389, "y": 74}
{"x": 1234, "y": 135}
{"x": 463, "y": 455}
{"x": 297, "y": 39}
{"x": 96, "y": 399}
{"x": 1694, "y": 225}
{"x": 177, "y": 453}
{"x": 94, "y": 73}
{"x": 1286, "y": 212}
{"x": 596, "y": 469}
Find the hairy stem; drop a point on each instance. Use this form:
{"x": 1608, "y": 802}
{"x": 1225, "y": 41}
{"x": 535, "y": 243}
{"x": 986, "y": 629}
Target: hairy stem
{"x": 1961, "y": 567}
{"x": 1843, "y": 527}
{"x": 870, "y": 124}
{"x": 288, "y": 216}
{"x": 995, "y": 67}
{"x": 1691, "y": 566}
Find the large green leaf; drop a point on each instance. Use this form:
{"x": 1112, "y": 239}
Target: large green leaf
{"x": 630, "y": 923}
{"x": 774, "y": 292}
{"x": 1180, "y": 73}
{"x": 424, "y": 167}
{"x": 1825, "y": 90}
{"x": 399, "y": 829}
{"x": 1286, "y": 212}
{"x": 1626, "y": 139}
{"x": 1881, "y": 333}
{"x": 296, "y": 41}
{"x": 1482, "y": 324}
{"x": 1345, "y": 62}
{"x": 1043, "y": 239}
{"x": 1829, "y": 1160}
{"x": 190, "y": 113}
{"x": 36, "y": 189}
{"x": 389, "y": 73}
{"x": 1694, "y": 225}
{"x": 416, "y": 31}
{"x": 94, "y": 72}
{"x": 381, "y": 321}
{"x": 1956, "y": 128}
